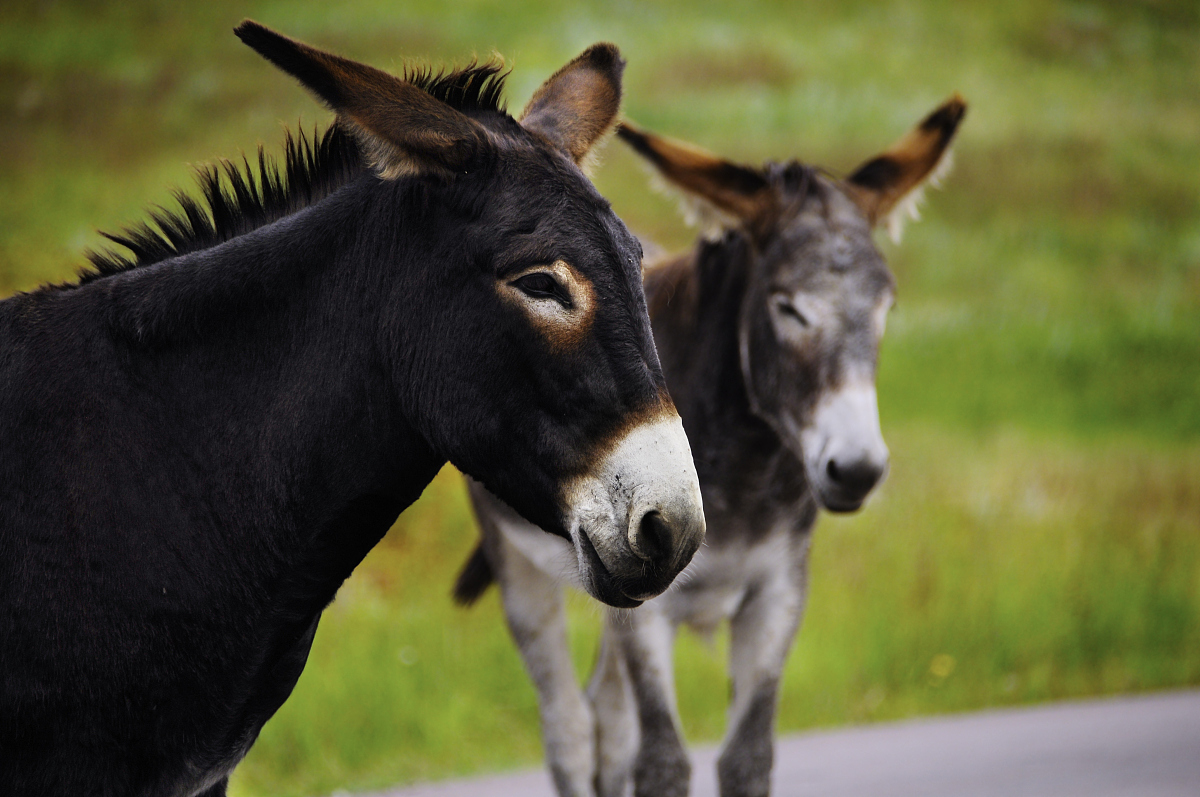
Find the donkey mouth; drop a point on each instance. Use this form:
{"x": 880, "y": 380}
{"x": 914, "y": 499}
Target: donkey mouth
{"x": 840, "y": 504}
{"x": 601, "y": 582}
{"x": 837, "y": 499}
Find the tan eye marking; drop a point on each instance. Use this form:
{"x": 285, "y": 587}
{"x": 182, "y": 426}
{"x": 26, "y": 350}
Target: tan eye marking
{"x": 541, "y": 285}
{"x": 557, "y": 299}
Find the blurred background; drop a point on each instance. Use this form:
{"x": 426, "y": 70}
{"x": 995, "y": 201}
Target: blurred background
{"x": 1039, "y": 535}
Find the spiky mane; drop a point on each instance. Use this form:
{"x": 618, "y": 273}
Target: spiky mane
{"x": 237, "y": 198}
{"x": 474, "y": 88}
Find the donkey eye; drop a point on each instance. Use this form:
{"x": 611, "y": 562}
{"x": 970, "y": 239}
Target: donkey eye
{"x": 541, "y": 285}
{"x": 789, "y": 309}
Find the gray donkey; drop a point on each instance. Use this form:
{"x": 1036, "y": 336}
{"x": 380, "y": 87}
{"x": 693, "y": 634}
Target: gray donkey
{"x": 768, "y": 336}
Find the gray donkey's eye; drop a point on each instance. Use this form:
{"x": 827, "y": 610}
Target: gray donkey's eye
{"x": 789, "y": 310}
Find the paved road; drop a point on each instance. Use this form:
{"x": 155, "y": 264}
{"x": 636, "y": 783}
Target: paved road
{"x": 1147, "y": 746}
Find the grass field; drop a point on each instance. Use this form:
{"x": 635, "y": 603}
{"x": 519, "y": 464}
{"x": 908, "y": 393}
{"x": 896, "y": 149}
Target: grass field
{"x": 1039, "y": 535}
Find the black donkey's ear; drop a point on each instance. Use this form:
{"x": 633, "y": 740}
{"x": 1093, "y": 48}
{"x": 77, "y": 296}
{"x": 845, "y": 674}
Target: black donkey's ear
{"x": 579, "y": 104}
{"x": 403, "y": 129}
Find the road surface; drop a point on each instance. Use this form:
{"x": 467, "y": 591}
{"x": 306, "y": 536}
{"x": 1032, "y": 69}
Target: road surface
{"x": 1145, "y": 746}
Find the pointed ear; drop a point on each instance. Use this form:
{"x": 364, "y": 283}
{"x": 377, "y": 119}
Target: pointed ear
{"x": 404, "y": 130}
{"x": 579, "y": 103}
{"x": 736, "y": 190}
{"x": 881, "y": 184}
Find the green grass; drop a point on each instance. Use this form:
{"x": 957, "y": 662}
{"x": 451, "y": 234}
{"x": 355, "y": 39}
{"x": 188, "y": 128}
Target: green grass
{"x": 1039, "y": 536}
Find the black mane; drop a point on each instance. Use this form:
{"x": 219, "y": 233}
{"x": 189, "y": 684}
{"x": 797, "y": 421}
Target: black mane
{"x": 476, "y": 88}
{"x": 793, "y": 178}
{"x": 237, "y": 198}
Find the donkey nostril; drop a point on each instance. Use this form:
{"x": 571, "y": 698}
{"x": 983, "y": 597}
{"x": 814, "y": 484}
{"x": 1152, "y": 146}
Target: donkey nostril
{"x": 653, "y": 539}
{"x": 856, "y": 477}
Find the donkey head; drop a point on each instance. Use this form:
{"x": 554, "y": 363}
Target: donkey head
{"x": 816, "y": 291}
{"x": 513, "y": 322}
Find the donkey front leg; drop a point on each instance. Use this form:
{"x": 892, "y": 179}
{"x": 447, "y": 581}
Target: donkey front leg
{"x": 661, "y": 768}
{"x": 534, "y": 608}
{"x": 611, "y": 696}
{"x": 761, "y": 636}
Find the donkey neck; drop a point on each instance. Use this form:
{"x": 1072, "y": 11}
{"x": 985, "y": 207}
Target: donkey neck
{"x": 695, "y": 303}
{"x": 751, "y": 480}
{"x": 264, "y": 352}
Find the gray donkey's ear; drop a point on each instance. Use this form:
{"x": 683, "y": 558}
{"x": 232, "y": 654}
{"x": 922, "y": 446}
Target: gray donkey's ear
{"x": 403, "y": 129}
{"x": 735, "y": 190}
{"x": 579, "y": 103}
{"x": 890, "y": 182}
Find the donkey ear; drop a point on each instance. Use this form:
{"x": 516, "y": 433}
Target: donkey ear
{"x": 880, "y": 185}
{"x": 403, "y": 129}
{"x": 736, "y": 190}
{"x": 580, "y": 102}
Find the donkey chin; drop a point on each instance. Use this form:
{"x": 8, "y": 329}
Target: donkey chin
{"x": 637, "y": 518}
{"x": 843, "y": 450}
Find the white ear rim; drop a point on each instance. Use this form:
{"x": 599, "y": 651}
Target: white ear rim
{"x": 909, "y": 206}
{"x": 709, "y": 220}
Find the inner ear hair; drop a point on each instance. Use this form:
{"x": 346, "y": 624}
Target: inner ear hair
{"x": 734, "y": 190}
{"x": 579, "y": 104}
{"x": 403, "y": 129}
{"x": 889, "y": 186}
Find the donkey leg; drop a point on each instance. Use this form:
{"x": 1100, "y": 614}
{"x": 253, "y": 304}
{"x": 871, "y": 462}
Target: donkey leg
{"x": 611, "y": 696}
{"x": 762, "y": 632}
{"x": 661, "y": 768}
{"x": 534, "y": 608}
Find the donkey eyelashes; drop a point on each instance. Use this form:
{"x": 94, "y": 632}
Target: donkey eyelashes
{"x": 541, "y": 285}
{"x": 804, "y": 308}
{"x": 786, "y": 308}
